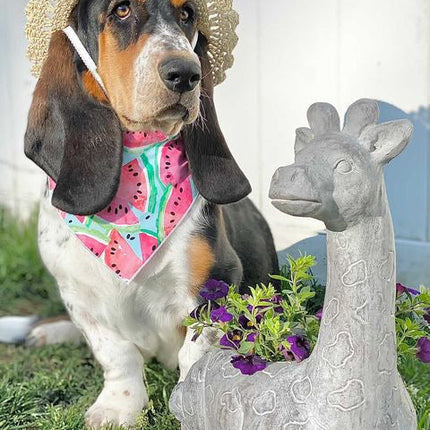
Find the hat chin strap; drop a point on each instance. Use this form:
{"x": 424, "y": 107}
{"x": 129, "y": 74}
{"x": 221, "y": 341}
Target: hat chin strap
{"x": 86, "y": 57}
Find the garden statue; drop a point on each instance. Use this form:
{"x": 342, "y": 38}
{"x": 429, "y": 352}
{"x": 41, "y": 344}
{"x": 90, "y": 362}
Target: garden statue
{"x": 350, "y": 380}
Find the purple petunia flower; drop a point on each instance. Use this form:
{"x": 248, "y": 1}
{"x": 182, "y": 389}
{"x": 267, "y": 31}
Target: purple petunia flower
{"x": 319, "y": 314}
{"x": 251, "y": 337}
{"x": 248, "y": 365}
{"x": 246, "y": 323}
{"x": 401, "y": 289}
{"x": 427, "y": 315}
{"x": 300, "y": 347}
{"x": 221, "y": 315}
{"x": 195, "y": 313}
{"x": 232, "y": 339}
{"x": 214, "y": 290}
{"x": 423, "y": 353}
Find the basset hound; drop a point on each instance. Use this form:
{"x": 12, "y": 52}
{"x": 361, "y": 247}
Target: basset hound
{"x": 154, "y": 80}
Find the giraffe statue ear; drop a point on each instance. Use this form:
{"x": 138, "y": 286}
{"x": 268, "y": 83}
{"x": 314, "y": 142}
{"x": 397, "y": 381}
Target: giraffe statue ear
{"x": 361, "y": 114}
{"x": 386, "y": 141}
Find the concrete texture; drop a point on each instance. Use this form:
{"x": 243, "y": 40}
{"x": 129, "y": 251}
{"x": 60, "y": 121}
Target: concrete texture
{"x": 351, "y": 379}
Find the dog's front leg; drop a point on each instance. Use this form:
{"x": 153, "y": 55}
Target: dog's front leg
{"x": 193, "y": 351}
{"x": 124, "y": 395}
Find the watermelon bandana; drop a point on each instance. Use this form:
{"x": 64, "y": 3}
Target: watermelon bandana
{"x": 155, "y": 193}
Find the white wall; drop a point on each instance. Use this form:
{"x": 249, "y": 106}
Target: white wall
{"x": 291, "y": 54}
{"x": 296, "y": 52}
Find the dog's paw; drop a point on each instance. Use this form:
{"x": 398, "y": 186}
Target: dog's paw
{"x": 53, "y": 332}
{"x": 117, "y": 407}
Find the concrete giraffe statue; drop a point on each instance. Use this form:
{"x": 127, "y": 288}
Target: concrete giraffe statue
{"x": 351, "y": 379}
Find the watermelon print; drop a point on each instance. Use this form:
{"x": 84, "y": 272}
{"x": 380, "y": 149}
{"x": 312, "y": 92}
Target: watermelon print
{"x": 177, "y": 206}
{"x": 155, "y": 193}
{"x": 173, "y": 163}
{"x": 120, "y": 257}
{"x": 92, "y": 244}
{"x": 134, "y": 140}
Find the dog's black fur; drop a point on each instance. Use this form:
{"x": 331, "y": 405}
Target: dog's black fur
{"x": 77, "y": 141}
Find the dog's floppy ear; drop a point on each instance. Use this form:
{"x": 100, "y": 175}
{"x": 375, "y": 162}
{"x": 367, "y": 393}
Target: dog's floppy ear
{"x": 74, "y": 138}
{"x": 216, "y": 174}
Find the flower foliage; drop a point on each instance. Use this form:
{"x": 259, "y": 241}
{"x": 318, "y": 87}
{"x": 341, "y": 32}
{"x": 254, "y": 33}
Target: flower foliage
{"x": 281, "y": 324}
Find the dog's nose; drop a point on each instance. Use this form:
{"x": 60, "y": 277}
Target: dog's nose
{"x": 180, "y": 75}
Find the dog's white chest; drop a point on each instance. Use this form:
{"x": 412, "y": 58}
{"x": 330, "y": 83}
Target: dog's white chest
{"x": 147, "y": 311}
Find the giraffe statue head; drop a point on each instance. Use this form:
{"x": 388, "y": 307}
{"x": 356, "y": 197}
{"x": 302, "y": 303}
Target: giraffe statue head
{"x": 337, "y": 173}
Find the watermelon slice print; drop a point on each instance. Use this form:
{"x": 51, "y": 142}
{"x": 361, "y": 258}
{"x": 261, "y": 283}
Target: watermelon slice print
{"x": 148, "y": 245}
{"x": 92, "y": 244}
{"x": 179, "y": 201}
{"x": 173, "y": 163}
{"x": 140, "y": 139}
{"x": 132, "y": 192}
{"x": 120, "y": 258}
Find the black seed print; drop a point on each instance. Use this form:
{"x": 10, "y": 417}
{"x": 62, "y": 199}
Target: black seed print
{"x": 126, "y": 210}
{"x": 109, "y": 209}
{"x": 154, "y": 247}
{"x": 148, "y": 216}
{"x": 128, "y": 236}
{"x": 118, "y": 272}
{"x": 139, "y": 184}
{"x": 139, "y": 192}
{"x": 120, "y": 207}
{"x": 135, "y": 197}
{"x": 113, "y": 265}
{"x": 136, "y": 174}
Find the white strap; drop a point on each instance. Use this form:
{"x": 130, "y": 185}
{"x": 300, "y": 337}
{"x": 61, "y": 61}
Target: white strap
{"x": 195, "y": 40}
{"x": 85, "y": 56}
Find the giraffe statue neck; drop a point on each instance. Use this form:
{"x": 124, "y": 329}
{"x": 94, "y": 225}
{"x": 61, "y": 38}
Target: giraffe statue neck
{"x": 358, "y": 329}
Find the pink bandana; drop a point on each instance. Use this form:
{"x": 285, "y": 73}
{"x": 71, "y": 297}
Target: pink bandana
{"x": 155, "y": 193}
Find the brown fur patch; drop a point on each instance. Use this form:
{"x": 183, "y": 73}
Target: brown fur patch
{"x": 57, "y": 71}
{"x": 182, "y": 331}
{"x": 178, "y": 3}
{"x": 92, "y": 87}
{"x": 116, "y": 68}
{"x": 202, "y": 259}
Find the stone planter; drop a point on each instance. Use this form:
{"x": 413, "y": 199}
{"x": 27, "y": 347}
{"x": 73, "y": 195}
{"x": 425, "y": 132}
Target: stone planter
{"x": 351, "y": 379}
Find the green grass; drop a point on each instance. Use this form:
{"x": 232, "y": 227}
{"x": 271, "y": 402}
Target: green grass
{"x": 50, "y": 388}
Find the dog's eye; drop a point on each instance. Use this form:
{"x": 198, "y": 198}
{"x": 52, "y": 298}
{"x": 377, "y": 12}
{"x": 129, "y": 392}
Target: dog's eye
{"x": 344, "y": 167}
{"x": 186, "y": 15}
{"x": 123, "y": 10}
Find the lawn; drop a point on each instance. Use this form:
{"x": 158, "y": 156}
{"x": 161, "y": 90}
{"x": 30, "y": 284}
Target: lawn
{"x": 50, "y": 388}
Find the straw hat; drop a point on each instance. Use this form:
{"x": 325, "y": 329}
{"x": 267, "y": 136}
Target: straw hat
{"x": 217, "y": 22}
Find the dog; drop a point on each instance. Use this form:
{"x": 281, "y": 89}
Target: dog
{"x": 154, "y": 80}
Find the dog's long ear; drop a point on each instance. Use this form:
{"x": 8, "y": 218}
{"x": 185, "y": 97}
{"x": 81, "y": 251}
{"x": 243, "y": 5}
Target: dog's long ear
{"x": 215, "y": 172}
{"x": 74, "y": 138}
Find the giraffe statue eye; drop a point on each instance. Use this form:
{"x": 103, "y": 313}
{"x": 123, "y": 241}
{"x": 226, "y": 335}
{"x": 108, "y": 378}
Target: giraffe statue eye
{"x": 343, "y": 167}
